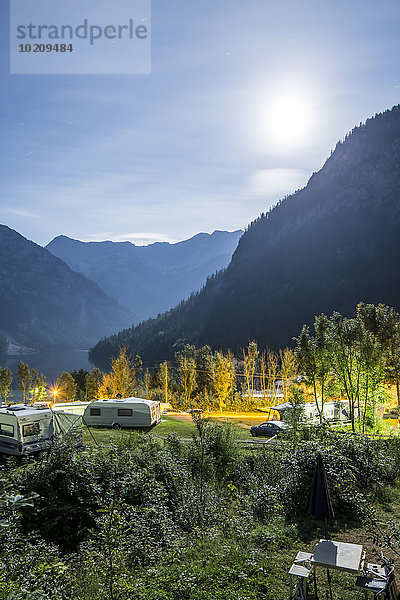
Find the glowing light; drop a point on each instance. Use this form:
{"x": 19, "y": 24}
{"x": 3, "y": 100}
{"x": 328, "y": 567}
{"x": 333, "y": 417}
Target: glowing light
{"x": 288, "y": 119}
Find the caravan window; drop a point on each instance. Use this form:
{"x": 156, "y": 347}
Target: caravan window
{"x": 124, "y": 412}
{"x": 31, "y": 429}
{"x": 6, "y": 429}
{"x": 94, "y": 412}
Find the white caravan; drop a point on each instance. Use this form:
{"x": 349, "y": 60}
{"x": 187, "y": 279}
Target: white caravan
{"x": 25, "y": 429}
{"x": 75, "y": 408}
{"x": 334, "y": 410}
{"x": 124, "y": 412}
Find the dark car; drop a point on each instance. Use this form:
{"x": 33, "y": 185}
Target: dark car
{"x": 268, "y": 429}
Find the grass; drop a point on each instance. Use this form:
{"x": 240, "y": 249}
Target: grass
{"x": 257, "y": 562}
{"x": 180, "y": 425}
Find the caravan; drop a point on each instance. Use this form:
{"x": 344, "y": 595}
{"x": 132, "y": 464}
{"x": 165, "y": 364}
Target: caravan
{"x": 25, "y": 429}
{"x": 334, "y": 410}
{"x": 124, "y": 412}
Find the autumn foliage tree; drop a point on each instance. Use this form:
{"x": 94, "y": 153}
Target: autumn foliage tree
{"x": 66, "y": 388}
{"x": 250, "y": 363}
{"x": 222, "y": 375}
{"x": 121, "y": 379}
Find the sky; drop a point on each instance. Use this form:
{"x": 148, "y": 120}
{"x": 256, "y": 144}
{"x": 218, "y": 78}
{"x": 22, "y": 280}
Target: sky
{"x": 245, "y": 100}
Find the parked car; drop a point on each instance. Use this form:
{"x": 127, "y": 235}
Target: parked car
{"x": 269, "y": 429}
{"x": 194, "y": 411}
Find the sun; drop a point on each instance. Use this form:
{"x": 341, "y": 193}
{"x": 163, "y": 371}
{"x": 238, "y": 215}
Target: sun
{"x": 288, "y": 119}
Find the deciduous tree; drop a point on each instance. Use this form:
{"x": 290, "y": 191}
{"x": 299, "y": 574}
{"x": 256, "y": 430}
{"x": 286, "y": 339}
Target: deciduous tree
{"x": 66, "y": 388}
{"x": 250, "y": 362}
{"x": 5, "y": 382}
{"x": 222, "y": 375}
{"x": 121, "y": 379}
{"x": 187, "y": 377}
{"x": 94, "y": 380}
{"x": 24, "y": 379}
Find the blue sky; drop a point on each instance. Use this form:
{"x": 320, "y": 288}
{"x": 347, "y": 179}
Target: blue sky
{"x": 199, "y": 144}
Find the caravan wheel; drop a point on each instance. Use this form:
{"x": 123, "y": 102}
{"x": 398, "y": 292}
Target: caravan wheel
{"x": 116, "y": 426}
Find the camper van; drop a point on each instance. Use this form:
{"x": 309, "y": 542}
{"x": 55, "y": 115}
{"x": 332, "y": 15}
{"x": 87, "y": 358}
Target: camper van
{"x": 25, "y": 429}
{"x": 124, "y": 412}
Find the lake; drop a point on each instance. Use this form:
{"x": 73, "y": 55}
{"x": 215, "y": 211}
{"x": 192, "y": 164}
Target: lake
{"x": 51, "y": 363}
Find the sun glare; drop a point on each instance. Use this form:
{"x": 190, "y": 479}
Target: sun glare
{"x": 288, "y": 120}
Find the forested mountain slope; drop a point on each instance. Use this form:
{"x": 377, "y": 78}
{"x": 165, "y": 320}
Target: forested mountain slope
{"x": 327, "y": 247}
{"x": 43, "y": 303}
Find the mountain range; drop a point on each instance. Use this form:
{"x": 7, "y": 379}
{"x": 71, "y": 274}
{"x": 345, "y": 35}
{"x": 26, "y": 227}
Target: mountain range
{"x": 44, "y": 304}
{"x": 326, "y": 247}
{"x": 148, "y": 280}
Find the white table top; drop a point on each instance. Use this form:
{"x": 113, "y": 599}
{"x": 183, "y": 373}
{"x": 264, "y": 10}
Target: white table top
{"x": 337, "y": 555}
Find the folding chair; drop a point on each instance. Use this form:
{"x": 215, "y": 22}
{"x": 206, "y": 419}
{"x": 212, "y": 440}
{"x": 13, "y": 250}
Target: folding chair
{"x": 298, "y": 588}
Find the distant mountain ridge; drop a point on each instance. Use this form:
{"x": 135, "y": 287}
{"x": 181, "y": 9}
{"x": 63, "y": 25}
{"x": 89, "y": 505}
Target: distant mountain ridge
{"x": 44, "y": 304}
{"x": 326, "y": 247}
{"x": 149, "y": 279}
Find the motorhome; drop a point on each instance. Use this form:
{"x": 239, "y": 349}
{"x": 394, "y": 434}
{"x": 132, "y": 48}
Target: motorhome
{"x": 122, "y": 412}
{"x": 25, "y": 429}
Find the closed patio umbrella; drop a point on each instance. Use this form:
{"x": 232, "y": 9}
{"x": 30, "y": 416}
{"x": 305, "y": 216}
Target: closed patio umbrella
{"x": 319, "y": 503}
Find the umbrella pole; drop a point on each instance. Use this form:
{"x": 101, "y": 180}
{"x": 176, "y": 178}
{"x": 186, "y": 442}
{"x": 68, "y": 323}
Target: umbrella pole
{"x": 315, "y": 585}
{"x": 327, "y": 571}
{"x": 329, "y": 583}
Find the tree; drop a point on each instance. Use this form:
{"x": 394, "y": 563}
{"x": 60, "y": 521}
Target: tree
{"x": 37, "y": 390}
{"x": 313, "y": 357}
{"x": 222, "y": 375}
{"x": 272, "y": 368}
{"x": 66, "y": 388}
{"x": 156, "y": 379}
{"x": 93, "y": 383}
{"x": 165, "y": 380}
{"x": 355, "y": 362}
{"x": 138, "y": 364}
{"x": 250, "y": 359}
{"x": 24, "y": 379}
{"x": 294, "y": 414}
{"x": 121, "y": 380}
{"x": 263, "y": 376}
{"x": 288, "y": 370}
{"x": 187, "y": 376}
{"x": 147, "y": 384}
{"x": 80, "y": 378}
{"x": 5, "y": 382}
{"x": 201, "y": 358}
{"x": 384, "y": 323}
